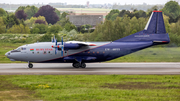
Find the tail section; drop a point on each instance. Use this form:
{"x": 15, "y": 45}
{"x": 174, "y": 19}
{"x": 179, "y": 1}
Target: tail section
{"x": 154, "y": 31}
{"x": 155, "y": 24}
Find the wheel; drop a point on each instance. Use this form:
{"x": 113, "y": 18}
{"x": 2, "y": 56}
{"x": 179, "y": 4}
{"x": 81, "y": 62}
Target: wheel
{"x": 83, "y": 65}
{"x": 30, "y": 65}
{"x": 76, "y": 65}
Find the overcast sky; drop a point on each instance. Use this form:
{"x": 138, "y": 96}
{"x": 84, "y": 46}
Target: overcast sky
{"x": 122, "y": 2}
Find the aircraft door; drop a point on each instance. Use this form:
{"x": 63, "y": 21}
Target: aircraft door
{"x": 24, "y": 54}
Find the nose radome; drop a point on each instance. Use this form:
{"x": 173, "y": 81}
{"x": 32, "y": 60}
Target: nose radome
{"x": 8, "y": 53}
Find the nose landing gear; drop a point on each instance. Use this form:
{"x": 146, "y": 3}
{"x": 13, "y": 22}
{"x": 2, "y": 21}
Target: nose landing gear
{"x": 30, "y": 65}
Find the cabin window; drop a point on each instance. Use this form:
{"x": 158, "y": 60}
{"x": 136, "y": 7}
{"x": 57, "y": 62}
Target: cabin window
{"x": 49, "y": 52}
{"x": 37, "y": 52}
{"x": 44, "y": 52}
{"x": 23, "y": 48}
{"x": 33, "y": 52}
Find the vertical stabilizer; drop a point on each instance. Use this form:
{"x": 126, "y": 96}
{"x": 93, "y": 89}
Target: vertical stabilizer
{"x": 154, "y": 31}
{"x": 155, "y": 24}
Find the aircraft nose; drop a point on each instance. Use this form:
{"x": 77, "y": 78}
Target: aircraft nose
{"x": 7, "y": 54}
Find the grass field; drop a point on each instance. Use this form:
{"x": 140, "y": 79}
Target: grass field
{"x": 90, "y": 87}
{"x": 166, "y": 54}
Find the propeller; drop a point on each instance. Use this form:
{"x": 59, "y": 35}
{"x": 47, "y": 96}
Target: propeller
{"x": 62, "y": 47}
{"x": 58, "y": 46}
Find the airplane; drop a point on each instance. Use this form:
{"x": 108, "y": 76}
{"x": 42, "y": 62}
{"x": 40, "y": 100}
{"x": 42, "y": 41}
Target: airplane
{"x": 79, "y": 53}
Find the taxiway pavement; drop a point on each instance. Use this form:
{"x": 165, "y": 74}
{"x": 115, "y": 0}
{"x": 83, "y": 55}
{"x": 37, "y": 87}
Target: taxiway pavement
{"x": 91, "y": 69}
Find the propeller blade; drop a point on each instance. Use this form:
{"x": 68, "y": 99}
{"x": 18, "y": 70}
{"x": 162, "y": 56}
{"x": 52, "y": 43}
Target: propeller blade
{"x": 52, "y": 39}
{"x": 56, "y": 50}
{"x": 62, "y": 47}
{"x": 62, "y": 40}
{"x": 62, "y": 51}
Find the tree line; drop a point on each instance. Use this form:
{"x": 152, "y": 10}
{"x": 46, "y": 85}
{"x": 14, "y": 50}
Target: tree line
{"x": 31, "y": 19}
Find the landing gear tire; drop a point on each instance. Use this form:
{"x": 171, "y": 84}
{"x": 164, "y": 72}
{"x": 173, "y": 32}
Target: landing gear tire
{"x": 76, "y": 65}
{"x": 83, "y": 65}
{"x": 30, "y": 65}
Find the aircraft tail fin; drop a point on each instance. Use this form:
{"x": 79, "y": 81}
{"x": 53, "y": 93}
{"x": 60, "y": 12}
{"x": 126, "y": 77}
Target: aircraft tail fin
{"x": 154, "y": 31}
{"x": 155, "y": 24}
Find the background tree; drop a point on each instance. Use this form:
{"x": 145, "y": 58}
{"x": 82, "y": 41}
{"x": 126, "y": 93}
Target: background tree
{"x": 19, "y": 29}
{"x": 49, "y": 13}
{"x": 30, "y": 11}
{"x": 54, "y": 29}
{"x": 3, "y": 12}
{"x": 11, "y": 20}
{"x": 20, "y": 8}
{"x": 31, "y": 22}
{"x": 111, "y": 13}
{"x": 139, "y": 14}
{"x": 21, "y": 15}
{"x": 63, "y": 22}
{"x": 63, "y": 15}
{"x": 124, "y": 12}
{"x": 172, "y": 9}
{"x": 69, "y": 27}
{"x": 58, "y": 13}
{"x": 45, "y": 38}
{"x": 2, "y": 26}
{"x": 85, "y": 28}
{"x": 40, "y": 22}
{"x": 39, "y": 29}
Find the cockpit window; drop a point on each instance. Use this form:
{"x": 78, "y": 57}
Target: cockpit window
{"x": 23, "y": 48}
{"x": 18, "y": 49}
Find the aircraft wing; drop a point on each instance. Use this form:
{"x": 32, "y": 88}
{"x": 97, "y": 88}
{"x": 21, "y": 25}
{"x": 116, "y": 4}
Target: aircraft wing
{"x": 81, "y": 43}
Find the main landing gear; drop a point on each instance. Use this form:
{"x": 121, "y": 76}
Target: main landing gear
{"x": 30, "y": 65}
{"x": 77, "y": 65}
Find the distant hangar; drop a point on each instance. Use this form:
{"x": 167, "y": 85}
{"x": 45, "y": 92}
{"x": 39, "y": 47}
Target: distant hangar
{"x": 79, "y": 20}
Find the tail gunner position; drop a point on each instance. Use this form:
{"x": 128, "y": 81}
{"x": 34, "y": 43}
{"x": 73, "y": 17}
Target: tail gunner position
{"x": 78, "y": 53}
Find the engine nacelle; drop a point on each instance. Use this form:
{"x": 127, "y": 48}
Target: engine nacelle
{"x": 68, "y": 46}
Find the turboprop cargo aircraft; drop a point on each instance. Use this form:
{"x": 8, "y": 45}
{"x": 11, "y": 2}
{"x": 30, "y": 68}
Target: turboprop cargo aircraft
{"x": 78, "y": 53}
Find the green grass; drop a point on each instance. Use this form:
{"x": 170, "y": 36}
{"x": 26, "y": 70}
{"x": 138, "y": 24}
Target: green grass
{"x": 97, "y": 87}
{"x": 171, "y": 54}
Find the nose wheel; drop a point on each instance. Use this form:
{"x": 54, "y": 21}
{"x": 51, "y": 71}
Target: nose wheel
{"x": 30, "y": 65}
{"x": 78, "y": 65}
